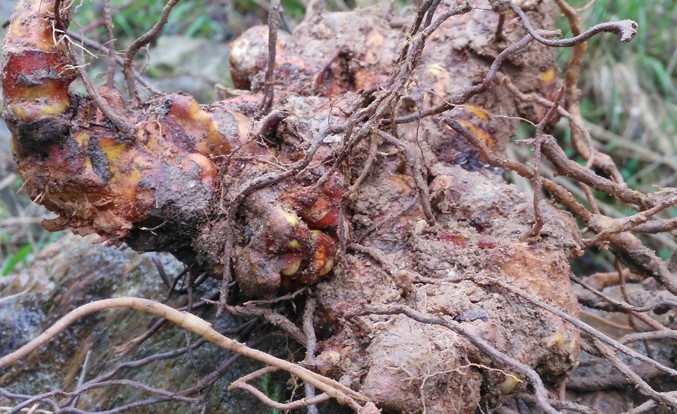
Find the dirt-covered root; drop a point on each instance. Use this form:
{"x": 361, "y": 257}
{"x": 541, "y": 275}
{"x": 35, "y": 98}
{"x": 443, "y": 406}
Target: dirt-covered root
{"x": 353, "y": 180}
{"x": 444, "y": 273}
{"x": 398, "y": 259}
{"x": 156, "y": 183}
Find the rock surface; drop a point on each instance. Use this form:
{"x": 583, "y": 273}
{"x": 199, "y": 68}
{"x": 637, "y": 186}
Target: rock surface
{"x": 72, "y": 272}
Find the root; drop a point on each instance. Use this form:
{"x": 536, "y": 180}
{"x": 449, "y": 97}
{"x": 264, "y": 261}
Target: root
{"x": 197, "y": 326}
{"x": 251, "y": 191}
{"x": 535, "y": 380}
